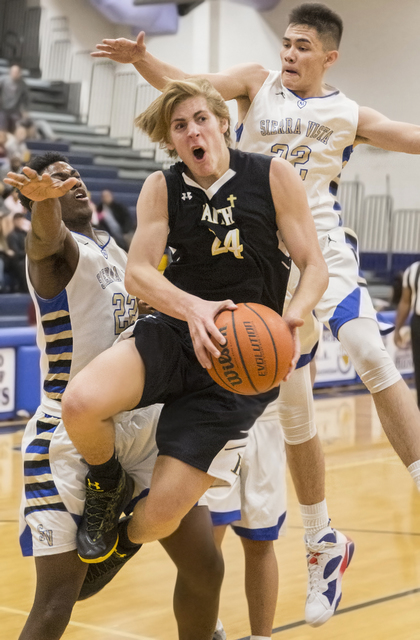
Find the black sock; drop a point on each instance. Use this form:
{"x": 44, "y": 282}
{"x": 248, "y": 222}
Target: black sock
{"x": 124, "y": 541}
{"x": 107, "y": 473}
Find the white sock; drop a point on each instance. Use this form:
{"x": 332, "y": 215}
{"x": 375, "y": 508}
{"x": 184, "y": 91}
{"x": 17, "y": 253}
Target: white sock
{"x": 260, "y": 638}
{"x": 314, "y": 517}
{"x": 219, "y": 625}
{"x": 414, "y": 470}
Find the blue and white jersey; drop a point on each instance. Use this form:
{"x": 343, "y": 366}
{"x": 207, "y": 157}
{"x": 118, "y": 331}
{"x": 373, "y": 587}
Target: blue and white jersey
{"x": 84, "y": 319}
{"x": 315, "y": 135}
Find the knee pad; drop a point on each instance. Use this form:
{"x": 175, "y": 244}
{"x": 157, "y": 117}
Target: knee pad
{"x": 363, "y": 344}
{"x": 296, "y": 407}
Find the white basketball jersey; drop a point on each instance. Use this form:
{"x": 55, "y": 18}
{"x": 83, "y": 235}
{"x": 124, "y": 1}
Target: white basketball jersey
{"x": 315, "y": 135}
{"x": 85, "y": 318}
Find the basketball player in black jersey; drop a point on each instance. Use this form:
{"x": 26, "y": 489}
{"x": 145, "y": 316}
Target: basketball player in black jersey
{"x": 221, "y": 210}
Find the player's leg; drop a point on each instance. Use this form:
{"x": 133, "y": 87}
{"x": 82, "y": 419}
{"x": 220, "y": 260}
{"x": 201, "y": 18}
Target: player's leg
{"x": 111, "y": 383}
{"x": 59, "y": 578}
{"x": 259, "y": 499}
{"x": 306, "y": 463}
{"x": 52, "y": 498}
{"x": 261, "y": 585}
{"x": 175, "y": 488}
{"x": 200, "y": 574}
{"x": 395, "y": 404}
{"x": 263, "y": 513}
{"x": 305, "y": 456}
{"x": 219, "y": 532}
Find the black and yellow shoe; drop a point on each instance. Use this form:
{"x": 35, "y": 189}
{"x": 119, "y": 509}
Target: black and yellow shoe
{"x": 99, "y": 574}
{"x": 97, "y": 535}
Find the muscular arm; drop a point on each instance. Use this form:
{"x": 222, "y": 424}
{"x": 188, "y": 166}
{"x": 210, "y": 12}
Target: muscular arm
{"x": 241, "y": 82}
{"x": 379, "y": 131}
{"x": 297, "y": 230}
{"x": 143, "y": 280}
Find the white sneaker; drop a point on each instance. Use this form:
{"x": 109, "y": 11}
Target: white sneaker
{"x": 327, "y": 559}
{"x": 219, "y": 634}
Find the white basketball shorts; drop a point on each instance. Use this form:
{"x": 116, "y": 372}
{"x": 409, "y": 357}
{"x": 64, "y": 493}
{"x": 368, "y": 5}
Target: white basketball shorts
{"x": 54, "y": 476}
{"x": 346, "y": 297}
{"x": 255, "y": 505}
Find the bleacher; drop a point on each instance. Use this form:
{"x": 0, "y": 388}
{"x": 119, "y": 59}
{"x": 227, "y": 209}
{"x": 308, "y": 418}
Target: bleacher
{"x": 389, "y": 239}
{"x": 103, "y": 163}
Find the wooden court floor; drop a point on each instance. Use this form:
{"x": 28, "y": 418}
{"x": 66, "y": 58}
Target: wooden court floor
{"x": 370, "y": 496}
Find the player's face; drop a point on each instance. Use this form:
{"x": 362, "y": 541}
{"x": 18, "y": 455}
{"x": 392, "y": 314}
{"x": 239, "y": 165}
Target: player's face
{"x": 74, "y": 203}
{"x": 303, "y": 61}
{"x": 197, "y": 136}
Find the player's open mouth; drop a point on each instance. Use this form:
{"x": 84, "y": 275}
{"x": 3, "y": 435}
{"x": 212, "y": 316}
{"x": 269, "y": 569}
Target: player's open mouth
{"x": 198, "y": 153}
{"x": 81, "y": 195}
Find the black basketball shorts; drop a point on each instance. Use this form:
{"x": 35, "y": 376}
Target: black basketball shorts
{"x": 201, "y": 423}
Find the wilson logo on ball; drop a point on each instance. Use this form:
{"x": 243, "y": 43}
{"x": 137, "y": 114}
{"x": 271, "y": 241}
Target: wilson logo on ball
{"x": 258, "y": 350}
{"x": 226, "y": 362}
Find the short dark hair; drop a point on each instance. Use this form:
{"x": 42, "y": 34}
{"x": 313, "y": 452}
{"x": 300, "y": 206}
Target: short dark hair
{"x": 39, "y": 164}
{"x": 327, "y": 23}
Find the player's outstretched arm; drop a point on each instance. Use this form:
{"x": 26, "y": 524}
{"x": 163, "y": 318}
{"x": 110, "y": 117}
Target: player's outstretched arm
{"x": 48, "y": 232}
{"x": 297, "y": 229}
{"x": 379, "y": 131}
{"x": 143, "y": 279}
{"x": 241, "y": 81}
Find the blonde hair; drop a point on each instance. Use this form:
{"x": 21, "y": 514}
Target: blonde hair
{"x": 156, "y": 120}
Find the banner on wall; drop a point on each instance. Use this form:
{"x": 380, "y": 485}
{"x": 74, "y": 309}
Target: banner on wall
{"x": 7, "y": 379}
{"x": 333, "y": 365}
{"x": 403, "y": 358}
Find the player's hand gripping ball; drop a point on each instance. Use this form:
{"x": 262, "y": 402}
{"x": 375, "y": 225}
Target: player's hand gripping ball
{"x": 258, "y": 351}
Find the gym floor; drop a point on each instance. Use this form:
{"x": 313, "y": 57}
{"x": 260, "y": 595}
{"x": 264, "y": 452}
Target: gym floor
{"x": 370, "y": 496}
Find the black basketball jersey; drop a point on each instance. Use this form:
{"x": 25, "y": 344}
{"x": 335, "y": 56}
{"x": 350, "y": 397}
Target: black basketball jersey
{"x": 225, "y": 237}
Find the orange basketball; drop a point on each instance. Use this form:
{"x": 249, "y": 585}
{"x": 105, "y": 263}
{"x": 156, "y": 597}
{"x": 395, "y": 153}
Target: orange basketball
{"x": 258, "y": 351}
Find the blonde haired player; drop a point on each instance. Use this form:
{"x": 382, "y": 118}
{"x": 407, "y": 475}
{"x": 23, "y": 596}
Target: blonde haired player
{"x": 293, "y": 114}
{"x": 234, "y": 251}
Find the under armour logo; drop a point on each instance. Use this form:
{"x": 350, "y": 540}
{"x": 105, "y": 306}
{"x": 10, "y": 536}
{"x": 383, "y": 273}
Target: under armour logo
{"x": 46, "y": 535}
{"x": 187, "y": 196}
{"x": 301, "y": 104}
{"x": 94, "y": 485}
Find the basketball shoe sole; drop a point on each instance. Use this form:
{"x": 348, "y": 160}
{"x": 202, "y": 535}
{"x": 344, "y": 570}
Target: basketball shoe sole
{"x": 99, "y": 574}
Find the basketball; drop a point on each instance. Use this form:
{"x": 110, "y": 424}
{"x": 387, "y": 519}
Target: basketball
{"x": 258, "y": 351}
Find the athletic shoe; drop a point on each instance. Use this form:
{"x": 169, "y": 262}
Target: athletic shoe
{"x": 100, "y": 573}
{"x": 97, "y": 535}
{"x": 327, "y": 558}
{"x": 219, "y": 634}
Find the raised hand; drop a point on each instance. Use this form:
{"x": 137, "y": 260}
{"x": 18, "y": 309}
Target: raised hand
{"x": 121, "y": 49}
{"x": 38, "y": 188}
